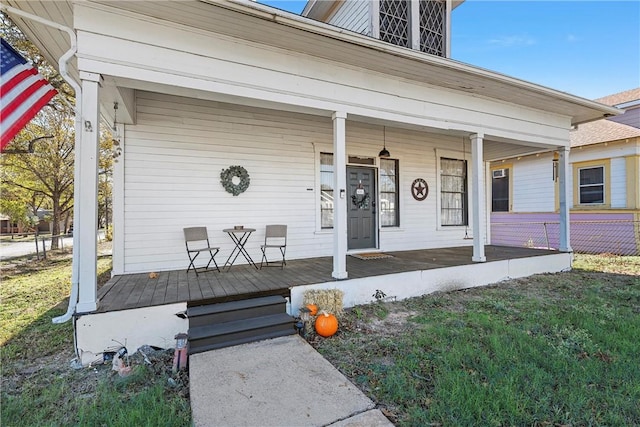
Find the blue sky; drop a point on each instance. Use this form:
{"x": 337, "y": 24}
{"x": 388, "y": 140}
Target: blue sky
{"x": 587, "y": 48}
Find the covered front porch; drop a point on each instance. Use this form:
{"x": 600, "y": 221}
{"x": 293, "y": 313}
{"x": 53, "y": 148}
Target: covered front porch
{"x": 131, "y": 291}
{"x": 140, "y": 310}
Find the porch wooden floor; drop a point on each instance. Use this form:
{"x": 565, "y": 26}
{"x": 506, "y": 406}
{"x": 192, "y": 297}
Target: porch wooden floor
{"x": 242, "y": 281}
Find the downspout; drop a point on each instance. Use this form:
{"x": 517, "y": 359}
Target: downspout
{"x": 62, "y": 65}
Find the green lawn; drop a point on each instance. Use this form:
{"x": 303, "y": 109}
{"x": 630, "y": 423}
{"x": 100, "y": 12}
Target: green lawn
{"x": 555, "y": 349}
{"x": 39, "y": 388}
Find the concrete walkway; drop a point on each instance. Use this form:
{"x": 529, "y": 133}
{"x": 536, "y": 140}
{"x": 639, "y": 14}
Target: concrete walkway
{"x": 280, "y": 382}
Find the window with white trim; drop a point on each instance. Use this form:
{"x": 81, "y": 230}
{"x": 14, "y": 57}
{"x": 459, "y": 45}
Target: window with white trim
{"x": 433, "y": 16}
{"x": 395, "y": 22}
{"x": 326, "y": 190}
{"x": 500, "y": 190}
{"x": 591, "y": 185}
{"x": 453, "y": 192}
{"x": 389, "y": 198}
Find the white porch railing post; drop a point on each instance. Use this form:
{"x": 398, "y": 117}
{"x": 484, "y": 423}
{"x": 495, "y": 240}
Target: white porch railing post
{"x": 477, "y": 194}
{"x": 564, "y": 191}
{"x": 339, "y": 196}
{"x": 87, "y": 224}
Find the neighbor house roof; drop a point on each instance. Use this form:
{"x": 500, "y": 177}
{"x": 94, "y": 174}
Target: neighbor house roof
{"x": 606, "y": 130}
{"x": 620, "y": 98}
{"x": 601, "y": 131}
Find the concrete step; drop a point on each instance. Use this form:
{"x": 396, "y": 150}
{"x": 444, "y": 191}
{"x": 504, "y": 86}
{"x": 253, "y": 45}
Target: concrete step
{"x": 226, "y": 334}
{"x": 235, "y": 310}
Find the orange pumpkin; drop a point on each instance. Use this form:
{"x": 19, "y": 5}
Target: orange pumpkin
{"x": 326, "y": 324}
{"x": 313, "y": 309}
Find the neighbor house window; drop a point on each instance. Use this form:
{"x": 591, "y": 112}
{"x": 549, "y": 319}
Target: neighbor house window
{"x": 453, "y": 193}
{"x": 591, "y": 185}
{"x": 500, "y": 190}
{"x": 389, "y": 199}
{"x": 394, "y": 22}
{"x": 326, "y": 190}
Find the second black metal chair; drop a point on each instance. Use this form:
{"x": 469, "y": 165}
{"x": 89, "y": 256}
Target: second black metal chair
{"x": 275, "y": 237}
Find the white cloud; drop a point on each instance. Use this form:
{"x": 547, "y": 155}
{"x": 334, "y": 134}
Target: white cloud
{"x": 510, "y": 41}
{"x": 572, "y": 38}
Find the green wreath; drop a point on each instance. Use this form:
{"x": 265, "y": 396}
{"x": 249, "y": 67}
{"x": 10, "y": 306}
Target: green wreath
{"x": 361, "y": 203}
{"x": 226, "y": 179}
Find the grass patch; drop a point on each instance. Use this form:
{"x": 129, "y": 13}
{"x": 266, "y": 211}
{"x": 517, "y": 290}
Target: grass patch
{"x": 39, "y": 388}
{"x": 552, "y": 349}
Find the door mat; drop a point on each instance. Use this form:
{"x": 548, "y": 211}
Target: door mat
{"x": 372, "y": 255}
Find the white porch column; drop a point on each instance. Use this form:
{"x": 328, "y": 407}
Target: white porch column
{"x": 477, "y": 194}
{"x": 88, "y": 191}
{"x": 118, "y": 206}
{"x": 339, "y": 196}
{"x": 564, "y": 191}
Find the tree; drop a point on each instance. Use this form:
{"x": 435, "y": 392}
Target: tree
{"x": 47, "y": 170}
{"x": 38, "y": 168}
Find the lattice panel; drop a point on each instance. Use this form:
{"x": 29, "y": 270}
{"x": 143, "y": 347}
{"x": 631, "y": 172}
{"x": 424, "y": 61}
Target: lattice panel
{"x": 394, "y": 22}
{"x": 433, "y": 26}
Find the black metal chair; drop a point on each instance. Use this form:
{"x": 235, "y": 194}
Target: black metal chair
{"x": 275, "y": 237}
{"x": 193, "y": 235}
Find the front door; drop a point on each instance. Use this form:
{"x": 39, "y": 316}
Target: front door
{"x": 361, "y": 212}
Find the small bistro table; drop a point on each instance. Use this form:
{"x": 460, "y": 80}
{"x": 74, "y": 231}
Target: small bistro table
{"x": 239, "y": 237}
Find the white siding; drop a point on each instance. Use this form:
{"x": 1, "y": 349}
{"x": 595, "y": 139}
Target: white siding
{"x": 353, "y": 16}
{"x": 174, "y": 156}
{"x": 618, "y": 183}
{"x": 602, "y": 151}
{"x": 533, "y": 185}
{"x": 175, "y": 152}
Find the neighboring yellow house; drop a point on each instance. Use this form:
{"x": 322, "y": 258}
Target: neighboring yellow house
{"x": 605, "y": 182}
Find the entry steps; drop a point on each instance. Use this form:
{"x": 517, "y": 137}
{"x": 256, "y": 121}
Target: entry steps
{"x": 232, "y": 323}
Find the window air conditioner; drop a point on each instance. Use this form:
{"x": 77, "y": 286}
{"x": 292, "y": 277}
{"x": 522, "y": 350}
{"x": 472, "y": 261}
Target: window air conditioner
{"x": 499, "y": 173}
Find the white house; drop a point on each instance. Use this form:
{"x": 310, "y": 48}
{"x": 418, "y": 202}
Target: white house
{"x": 305, "y": 107}
{"x": 604, "y": 182}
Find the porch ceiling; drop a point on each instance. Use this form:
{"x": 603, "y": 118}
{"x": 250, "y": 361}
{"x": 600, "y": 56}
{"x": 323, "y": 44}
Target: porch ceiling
{"x": 272, "y": 27}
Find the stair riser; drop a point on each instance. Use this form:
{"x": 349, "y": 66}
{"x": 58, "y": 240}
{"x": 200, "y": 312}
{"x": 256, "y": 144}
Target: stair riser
{"x": 267, "y": 336}
{"x": 230, "y": 316}
{"x": 247, "y": 335}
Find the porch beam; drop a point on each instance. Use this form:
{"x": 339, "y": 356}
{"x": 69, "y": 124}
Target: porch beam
{"x": 87, "y": 221}
{"x": 564, "y": 191}
{"x": 339, "y": 196}
{"x": 477, "y": 194}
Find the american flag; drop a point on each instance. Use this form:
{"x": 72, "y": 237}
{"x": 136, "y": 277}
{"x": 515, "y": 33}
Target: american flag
{"x": 23, "y": 92}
